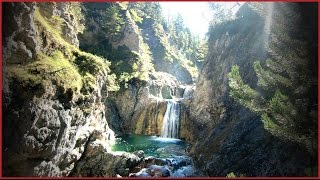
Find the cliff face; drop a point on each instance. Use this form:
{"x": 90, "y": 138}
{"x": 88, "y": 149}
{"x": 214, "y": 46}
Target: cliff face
{"x": 165, "y": 57}
{"x": 16, "y": 50}
{"x": 53, "y": 110}
{"x": 146, "y": 39}
{"x": 131, "y": 109}
{"x": 70, "y": 21}
{"x": 227, "y": 136}
{"x": 140, "y": 108}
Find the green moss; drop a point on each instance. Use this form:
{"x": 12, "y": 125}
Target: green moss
{"x": 57, "y": 22}
{"x": 49, "y": 26}
{"x": 55, "y": 68}
{"x": 89, "y": 84}
{"x": 112, "y": 83}
{"x": 74, "y": 69}
{"x": 135, "y": 16}
{"x": 88, "y": 63}
{"x": 23, "y": 76}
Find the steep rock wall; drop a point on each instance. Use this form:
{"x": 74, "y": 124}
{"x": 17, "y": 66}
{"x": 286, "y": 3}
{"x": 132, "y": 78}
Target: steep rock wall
{"x": 228, "y": 137}
{"x": 54, "y": 119}
{"x": 140, "y": 108}
{"x": 70, "y": 27}
{"x": 165, "y": 57}
{"x": 147, "y": 39}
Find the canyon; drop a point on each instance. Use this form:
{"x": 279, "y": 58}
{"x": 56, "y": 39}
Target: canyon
{"x": 82, "y": 101}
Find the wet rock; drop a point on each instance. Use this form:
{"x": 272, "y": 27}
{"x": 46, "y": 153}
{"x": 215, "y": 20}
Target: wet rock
{"x": 139, "y": 154}
{"x": 152, "y": 171}
{"x": 166, "y": 92}
{"x": 142, "y": 103}
{"x": 143, "y": 173}
{"x": 140, "y": 109}
{"x": 186, "y": 171}
{"x": 102, "y": 162}
{"x": 154, "y": 161}
{"x": 159, "y": 171}
{"x": 179, "y": 161}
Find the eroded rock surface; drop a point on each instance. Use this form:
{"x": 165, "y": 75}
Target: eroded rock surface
{"x": 141, "y": 107}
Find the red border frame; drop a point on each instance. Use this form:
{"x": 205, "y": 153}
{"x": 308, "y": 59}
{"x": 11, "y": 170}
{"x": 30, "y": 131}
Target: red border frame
{"x": 160, "y": 1}
{"x": 318, "y": 88}
{"x": 1, "y": 176}
{"x": 1, "y": 91}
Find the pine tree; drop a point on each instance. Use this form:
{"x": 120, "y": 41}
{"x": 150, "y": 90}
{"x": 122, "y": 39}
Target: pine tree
{"x": 113, "y": 21}
{"x": 284, "y": 98}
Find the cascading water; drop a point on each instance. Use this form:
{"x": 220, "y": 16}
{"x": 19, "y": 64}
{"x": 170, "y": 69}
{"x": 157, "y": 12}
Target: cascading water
{"x": 170, "y": 127}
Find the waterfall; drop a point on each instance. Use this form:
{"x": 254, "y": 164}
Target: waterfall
{"x": 170, "y": 127}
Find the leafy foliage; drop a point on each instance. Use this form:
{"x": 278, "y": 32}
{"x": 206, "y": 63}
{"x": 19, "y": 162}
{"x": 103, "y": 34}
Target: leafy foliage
{"x": 125, "y": 64}
{"x": 243, "y": 92}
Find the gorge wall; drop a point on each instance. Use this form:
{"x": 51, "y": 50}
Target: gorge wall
{"x": 57, "y": 108}
{"x": 54, "y": 116}
{"x": 227, "y": 136}
{"x": 141, "y": 107}
{"x": 138, "y": 107}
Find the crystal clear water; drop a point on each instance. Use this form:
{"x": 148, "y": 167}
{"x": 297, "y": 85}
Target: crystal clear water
{"x": 151, "y": 145}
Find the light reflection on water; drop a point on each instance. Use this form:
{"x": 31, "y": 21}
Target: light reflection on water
{"x": 151, "y": 145}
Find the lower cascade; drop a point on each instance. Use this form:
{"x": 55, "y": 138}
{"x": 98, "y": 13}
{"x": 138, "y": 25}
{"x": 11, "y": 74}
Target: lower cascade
{"x": 170, "y": 127}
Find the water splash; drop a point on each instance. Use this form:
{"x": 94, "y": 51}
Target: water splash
{"x": 170, "y": 127}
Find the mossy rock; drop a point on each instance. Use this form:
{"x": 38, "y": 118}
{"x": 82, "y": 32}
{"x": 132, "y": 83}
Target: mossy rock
{"x": 55, "y": 68}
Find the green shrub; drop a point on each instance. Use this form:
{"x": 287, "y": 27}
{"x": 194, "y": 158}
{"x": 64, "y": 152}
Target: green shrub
{"x": 136, "y": 18}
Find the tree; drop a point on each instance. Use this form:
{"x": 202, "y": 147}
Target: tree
{"x": 113, "y": 21}
{"x": 148, "y": 10}
{"x": 220, "y": 12}
{"x": 285, "y": 98}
